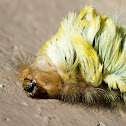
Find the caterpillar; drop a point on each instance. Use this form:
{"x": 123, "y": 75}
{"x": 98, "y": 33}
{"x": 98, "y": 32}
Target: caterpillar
{"x": 84, "y": 62}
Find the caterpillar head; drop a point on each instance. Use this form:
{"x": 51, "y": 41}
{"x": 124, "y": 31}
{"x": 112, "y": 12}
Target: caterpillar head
{"x": 30, "y": 86}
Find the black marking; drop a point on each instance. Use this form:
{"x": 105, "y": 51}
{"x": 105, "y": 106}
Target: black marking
{"x": 30, "y": 88}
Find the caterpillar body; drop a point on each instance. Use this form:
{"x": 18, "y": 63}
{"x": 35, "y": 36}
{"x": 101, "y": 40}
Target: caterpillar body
{"x": 83, "y": 62}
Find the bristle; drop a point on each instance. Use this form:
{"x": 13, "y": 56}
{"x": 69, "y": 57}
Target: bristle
{"x": 92, "y": 97}
{"x": 22, "y": 62}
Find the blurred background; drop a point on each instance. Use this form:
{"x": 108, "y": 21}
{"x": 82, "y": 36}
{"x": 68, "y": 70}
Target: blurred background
{"x": 24, "y": 26}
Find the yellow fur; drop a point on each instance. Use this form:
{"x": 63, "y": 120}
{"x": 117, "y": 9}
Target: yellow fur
{"x": 78, "y": 34}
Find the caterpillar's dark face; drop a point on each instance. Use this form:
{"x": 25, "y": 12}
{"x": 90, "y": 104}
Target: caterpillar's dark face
{"x": 30, "y": 86}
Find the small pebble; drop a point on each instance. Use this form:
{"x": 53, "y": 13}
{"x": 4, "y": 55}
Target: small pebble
{"x": 1, "y": 85}
{"x": 7, "y": 119}
{"x": 24, "y": 103}
{"x": 101, "y": 124}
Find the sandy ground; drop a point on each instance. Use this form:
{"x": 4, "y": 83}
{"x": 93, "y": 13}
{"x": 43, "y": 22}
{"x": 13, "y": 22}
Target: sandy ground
{"x": 25, "y": 25}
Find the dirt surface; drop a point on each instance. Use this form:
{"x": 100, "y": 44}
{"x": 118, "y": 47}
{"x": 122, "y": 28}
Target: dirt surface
{"x": 26, "y": 25}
